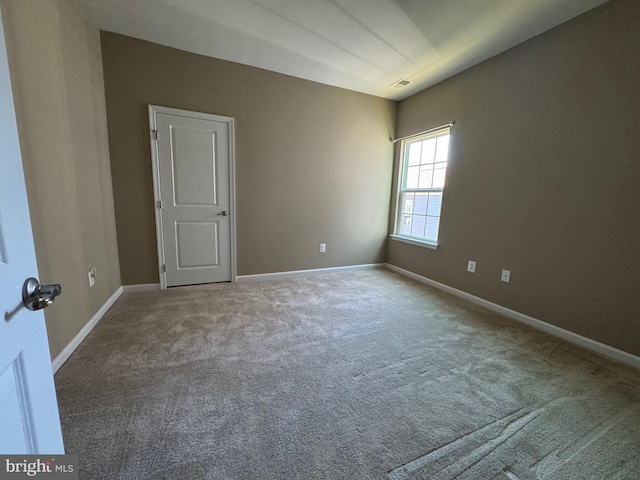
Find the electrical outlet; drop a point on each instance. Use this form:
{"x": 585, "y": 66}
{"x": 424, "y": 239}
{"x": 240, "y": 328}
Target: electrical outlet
{"x": 323, "y": 247}
{"x": 471, "y": 266}
{"x": 506, "y": 276}
{"x": 92, "y": 277}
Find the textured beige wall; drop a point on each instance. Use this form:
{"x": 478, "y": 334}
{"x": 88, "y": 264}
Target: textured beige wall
{"x": 544, "y": 177}
{"x": 56, "y": 71}
{"x": 313, "y": 162}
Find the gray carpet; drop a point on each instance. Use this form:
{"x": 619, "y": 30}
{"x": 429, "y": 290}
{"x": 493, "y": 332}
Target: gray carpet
{"x": 359, "y": 375}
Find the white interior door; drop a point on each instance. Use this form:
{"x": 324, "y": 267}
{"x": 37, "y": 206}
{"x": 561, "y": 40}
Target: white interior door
{"x": 193, "y": 195}
{"x": 29, "y": 420}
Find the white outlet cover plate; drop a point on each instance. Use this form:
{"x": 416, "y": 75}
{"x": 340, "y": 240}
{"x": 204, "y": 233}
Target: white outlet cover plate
{"x": 471, "y": 266}
{"x": 506, "y": 276}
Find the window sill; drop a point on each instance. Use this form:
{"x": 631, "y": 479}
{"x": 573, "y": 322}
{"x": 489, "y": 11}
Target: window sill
{"x": 413, "y": 241}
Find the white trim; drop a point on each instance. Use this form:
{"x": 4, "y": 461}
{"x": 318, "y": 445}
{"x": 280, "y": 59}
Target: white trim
{"x": 156, "y": 193}
{"x": 66, "y": 352}
{"x": 412, "y": 241}
{"x": 153, "y": 110}
{"x": 313, "y": 271}
{"x": 143, "y": 287}
{"x": 593, "y": 345}
{"x": 232, "y": 196}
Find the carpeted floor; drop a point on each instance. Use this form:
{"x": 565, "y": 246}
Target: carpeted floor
{"x": 358, "y": 375}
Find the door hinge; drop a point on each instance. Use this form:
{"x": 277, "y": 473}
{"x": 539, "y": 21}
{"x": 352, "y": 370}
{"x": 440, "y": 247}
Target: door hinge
{"x": 154, "y": 134}
{"x": 159, "y": 204}
{"x": 163, "y": 268}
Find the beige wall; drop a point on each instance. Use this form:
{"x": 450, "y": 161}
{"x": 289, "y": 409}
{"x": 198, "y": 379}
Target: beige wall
{"x": 56, "y": 71}
{"x": 544, "y": 177}
{"x": 313, "y": 162}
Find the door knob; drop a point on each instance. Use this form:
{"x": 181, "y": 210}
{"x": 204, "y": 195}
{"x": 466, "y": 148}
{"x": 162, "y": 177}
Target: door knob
{"x": 224, "y": 213}
{"x": 36, "y": 296}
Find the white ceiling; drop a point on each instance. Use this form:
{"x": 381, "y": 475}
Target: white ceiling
{"x": 362, "y": 45}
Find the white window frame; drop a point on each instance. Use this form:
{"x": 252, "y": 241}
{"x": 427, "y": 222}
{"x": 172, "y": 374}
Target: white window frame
{"x": 401, "y": 188}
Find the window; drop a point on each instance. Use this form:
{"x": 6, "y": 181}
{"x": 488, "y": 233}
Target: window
{"x": 421, "y": 183}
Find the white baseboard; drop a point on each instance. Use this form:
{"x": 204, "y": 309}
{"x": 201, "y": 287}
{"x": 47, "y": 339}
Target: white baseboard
{"x": 143, "y": 287}
{"x": 66, "y": 352}
{"x": 298, "y": 273}
{"x": 593, "y": 345}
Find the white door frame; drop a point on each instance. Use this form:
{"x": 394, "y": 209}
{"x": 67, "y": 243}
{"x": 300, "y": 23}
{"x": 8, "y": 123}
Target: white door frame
{"x": 155, "y": 109}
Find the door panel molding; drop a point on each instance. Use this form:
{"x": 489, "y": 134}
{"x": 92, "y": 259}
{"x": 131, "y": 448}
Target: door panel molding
{"x": 183, "y": 253}
{"x": 154, "y": 111}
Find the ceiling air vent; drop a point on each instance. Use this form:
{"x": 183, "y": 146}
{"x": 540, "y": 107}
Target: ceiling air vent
{"x": 403, "y": 82}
